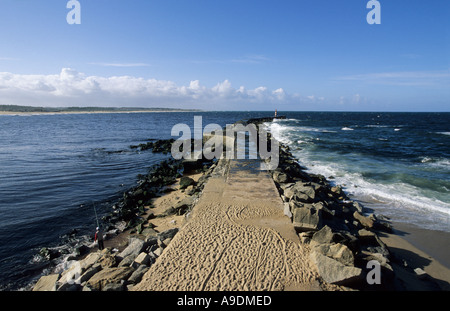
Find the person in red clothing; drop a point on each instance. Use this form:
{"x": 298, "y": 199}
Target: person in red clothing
{"x": 99, "y": 237}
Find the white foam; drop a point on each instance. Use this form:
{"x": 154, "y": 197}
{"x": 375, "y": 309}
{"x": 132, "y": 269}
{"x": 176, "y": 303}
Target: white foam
{"x": 443, "y": 133}
{"x": 346, "y": 129}
{"x": 400, "y": 200}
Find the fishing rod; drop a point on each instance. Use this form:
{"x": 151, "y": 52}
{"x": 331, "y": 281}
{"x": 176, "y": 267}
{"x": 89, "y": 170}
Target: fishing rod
{"x": 96, "y": 218}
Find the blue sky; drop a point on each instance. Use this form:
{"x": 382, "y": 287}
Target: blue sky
{"x": 227, "y": 55}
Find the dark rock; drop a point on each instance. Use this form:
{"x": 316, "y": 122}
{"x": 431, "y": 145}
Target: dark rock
{"x": 186, "y": 182}
{"x": 113, "y": 287}
{"x": 280, "y": 177}
{"x": 326, "y": 235}
{"x": 168, "y": 234}
{"x": 192, "y": 165}
{"x": 137, "y": 274}
{"x": 49, "y": 254}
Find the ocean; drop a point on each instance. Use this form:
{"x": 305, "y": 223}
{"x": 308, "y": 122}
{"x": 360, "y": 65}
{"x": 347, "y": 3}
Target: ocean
{"x": 395, "y": 164}
{"x": 55, "y": 169}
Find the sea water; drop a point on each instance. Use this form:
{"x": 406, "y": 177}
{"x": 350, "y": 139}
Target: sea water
{"x": 54, "y": 169}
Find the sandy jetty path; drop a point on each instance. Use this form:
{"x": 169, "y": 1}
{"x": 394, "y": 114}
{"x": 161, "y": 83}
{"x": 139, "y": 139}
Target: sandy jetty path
{"x": 237, "y": 238}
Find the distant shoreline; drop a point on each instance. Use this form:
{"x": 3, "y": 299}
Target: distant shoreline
{"x": 30, "y": 110}
{"x": 88, "y": 112}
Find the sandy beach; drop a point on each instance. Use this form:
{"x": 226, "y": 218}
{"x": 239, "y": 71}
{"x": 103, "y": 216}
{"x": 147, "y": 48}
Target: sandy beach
{"x": 420, "y": 248}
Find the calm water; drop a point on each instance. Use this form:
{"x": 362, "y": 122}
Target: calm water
{"x": 55, "y": 168}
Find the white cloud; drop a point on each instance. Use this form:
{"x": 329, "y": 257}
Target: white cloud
{"x": 72, "y": 88}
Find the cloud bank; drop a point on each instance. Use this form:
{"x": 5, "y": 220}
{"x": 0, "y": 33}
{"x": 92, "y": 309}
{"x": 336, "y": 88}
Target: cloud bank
{"x": 72, "y": 88}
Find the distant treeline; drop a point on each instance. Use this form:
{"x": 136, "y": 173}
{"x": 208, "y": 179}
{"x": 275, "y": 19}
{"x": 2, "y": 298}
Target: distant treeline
{"x": 16, "y": 108}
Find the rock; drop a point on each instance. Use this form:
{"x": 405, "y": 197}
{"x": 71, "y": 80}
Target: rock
{"x": 326, "y": 213}
{"x": 137, "y": 274}
{"x": 304, "y": 192}
{"x": 337, "y": 190}
{"x": 192, "y": 165}
{"x": 181, "y": 207}
{"x": 134, "y": 247}
{"x": 305, "y": 237}
{"x": 339, "y": 252}
{"x": 364, "y": 221}
{"x": 49, "y": 254}
{"x": 142, "y": 259}
{"x": 89, "y": 273}
{"x": 108, "y": 261}
{"x": 158, "y": 251}
{"x": 324, "y": 235}
{"x": 358, "y": 207}
{"x": 109, "y": 275}
{"x": 280, "y": 177}
{"x": 149, "y": 232}
{"x": 46, "y": 283}
{"x": 77, "y": 268}
{"x": 127, "y": 261}
{"x": 333, "y": 271}
{"x": 166, "y": 242}
{"x": 114, "y": 287}
{"x": 190, "y": 190}
{"x": 421, "y": 274}
{"x": 366, "y": 234}
{"x": 168, "y": 234}
{"x": 287, "y": 210}
{"x": 186, "y": 182}
{"x": 305, "y": 219}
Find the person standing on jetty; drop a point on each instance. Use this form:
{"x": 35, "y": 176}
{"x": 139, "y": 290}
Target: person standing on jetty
{"x": 99, "y": 237}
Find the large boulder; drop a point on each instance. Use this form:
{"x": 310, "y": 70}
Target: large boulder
{"x": 134, "y": 248}
{"x": 324, "y": 235}
{"x": 333, "y": 271}
{"x": 77, "y": 268}
{"x": 168, "y": 234}
{"x": 280, "y": 177}
{"x": 186, "y": 182}
{"x": 303, "y": 191}
{"x": 339, "y": 252}
{"x": 137, "y": 274}
{"x": 109, "y": 275}
{"x": 46, "y": 283}
{"x": 306, "y": 218}
{"x": 366, "y": 222}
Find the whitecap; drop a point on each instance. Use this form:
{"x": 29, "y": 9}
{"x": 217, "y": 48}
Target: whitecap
{"x": 436, "y": 162}
{"x": 397, "y": 130}
{"x": 346, "y": 129}
{"x": 443, "y": 133}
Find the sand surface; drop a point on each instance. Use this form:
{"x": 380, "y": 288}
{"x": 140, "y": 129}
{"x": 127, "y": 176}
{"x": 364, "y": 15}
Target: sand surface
{"x": 237, "y": 238}
{"x": 415, "y": 253}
